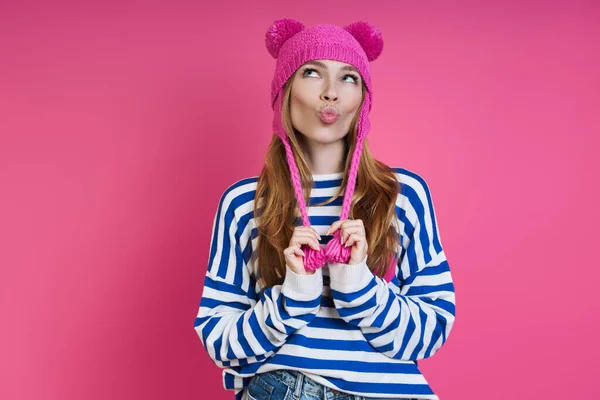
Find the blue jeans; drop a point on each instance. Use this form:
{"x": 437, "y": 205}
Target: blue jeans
{"x": 293, "y": 385}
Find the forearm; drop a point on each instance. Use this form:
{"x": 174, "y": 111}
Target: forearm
{"x": 409, "y": 326}
{"x": 233, "y": 335}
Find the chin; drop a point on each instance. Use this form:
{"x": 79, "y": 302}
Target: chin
{"x": 324, "y": 133}
{"x": 328, "y": 134}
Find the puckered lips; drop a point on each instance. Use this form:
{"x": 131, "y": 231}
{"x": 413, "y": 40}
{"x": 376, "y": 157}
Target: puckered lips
{"x": 329, "y": 114}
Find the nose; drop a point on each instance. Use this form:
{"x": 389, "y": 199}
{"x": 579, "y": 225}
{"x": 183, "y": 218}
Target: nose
{"x": 329, "y": 95}
{"x": 329, "y": 98}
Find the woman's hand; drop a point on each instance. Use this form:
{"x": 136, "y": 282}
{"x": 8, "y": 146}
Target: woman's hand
{"x": 352, "y": 234}
{"x": 293, "y": 254}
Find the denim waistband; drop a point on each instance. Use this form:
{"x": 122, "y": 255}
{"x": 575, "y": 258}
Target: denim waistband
{"x": 298, "y": 382}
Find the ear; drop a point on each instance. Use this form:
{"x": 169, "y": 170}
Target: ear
{"x": 280, "y": 31}
{"x": 368, "y": 36}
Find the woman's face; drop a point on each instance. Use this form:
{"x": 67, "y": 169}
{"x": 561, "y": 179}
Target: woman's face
{"x": 321, "y": 83}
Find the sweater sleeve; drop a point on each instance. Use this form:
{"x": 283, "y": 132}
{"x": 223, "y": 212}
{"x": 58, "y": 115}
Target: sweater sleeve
{"x": 410, "y": 317}
{"x": 235, "y": 325}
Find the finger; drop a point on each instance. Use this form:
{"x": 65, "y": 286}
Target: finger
{"x": 289, "y": 252}
{"x": 298, "y": 251}
{"x": 351, "y": 226}
{"x": 304, "y": 236}
{"x": 316, "y": 233}
{"x": 308, "y": 232}
{"x": 334, "y": 227}
{"x": 354, "y": 222}
{"x": 309, "y": 229}
{"x": 294, "y": 250}
{"x": 351, "y": 240}
{"x": 345, "y": 224}
{"x": 310, "y": 241}
{"x": 348, "y": 241}
{"x": 346, "y": 232}
{"x": 354, "y": 238}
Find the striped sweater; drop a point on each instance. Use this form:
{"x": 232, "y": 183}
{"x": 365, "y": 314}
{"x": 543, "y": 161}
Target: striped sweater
{"x": 343, "y": 326}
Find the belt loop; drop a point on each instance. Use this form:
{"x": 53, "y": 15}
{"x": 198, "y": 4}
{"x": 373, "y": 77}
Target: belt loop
{"x": 298, "y": 388}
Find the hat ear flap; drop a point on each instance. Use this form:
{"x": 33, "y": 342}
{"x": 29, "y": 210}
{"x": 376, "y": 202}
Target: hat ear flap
{"x": 280, "y": 31}
{"x": 368, "y": 36}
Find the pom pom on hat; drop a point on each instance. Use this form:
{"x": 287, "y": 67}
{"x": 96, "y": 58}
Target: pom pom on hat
{"x": 368, "y": 36}
{"x": 280, "y": 31}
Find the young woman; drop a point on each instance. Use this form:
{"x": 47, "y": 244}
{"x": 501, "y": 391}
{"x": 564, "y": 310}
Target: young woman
{"x": 326, "y": 276}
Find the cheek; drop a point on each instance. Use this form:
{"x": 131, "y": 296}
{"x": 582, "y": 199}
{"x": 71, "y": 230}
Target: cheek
{"x": 353, "y": 107}
{"x": 303, "y": 96}
{"x": 297, "y": 108}
{"x": 356, "y": 100}
{"x": 302, "y": 106}
{"x": 351, "y": 97}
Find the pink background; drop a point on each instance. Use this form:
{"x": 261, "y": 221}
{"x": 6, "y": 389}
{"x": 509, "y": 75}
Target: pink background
{"x": 121, "y": 124}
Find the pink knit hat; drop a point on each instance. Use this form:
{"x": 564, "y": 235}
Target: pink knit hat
{"x": 292, "y": 44}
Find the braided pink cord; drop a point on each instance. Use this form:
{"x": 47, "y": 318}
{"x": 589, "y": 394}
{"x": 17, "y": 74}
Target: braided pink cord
{"x": 334, "y": 251}
{"x": 296, "y": 182}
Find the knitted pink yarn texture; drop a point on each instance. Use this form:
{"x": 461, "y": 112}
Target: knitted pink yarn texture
{"x": 292, "y": 44}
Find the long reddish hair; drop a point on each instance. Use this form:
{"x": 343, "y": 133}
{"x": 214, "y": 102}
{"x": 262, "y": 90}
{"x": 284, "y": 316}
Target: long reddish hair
{"x": 275, "y": 206}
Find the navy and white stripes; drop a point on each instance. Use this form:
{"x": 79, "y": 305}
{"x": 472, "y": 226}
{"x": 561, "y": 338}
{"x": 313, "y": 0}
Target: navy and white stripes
{"x": 343, "y": 326}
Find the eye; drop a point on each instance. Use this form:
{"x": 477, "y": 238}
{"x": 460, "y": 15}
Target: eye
{"x": 352, "y": 76}
{"x": 306, "y": 70}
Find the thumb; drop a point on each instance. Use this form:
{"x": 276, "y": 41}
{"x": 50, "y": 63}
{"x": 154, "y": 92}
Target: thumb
{"x": 332, "y": 227}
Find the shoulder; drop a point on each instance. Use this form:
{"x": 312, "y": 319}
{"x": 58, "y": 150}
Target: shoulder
{"x": 240, "y": 186}
{"x": 415, "y": 193}
{"x": 411, "y": 181}
{"x": 238, "y": 193}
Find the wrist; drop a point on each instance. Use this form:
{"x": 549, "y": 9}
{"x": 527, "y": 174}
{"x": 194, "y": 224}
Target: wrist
{"x": 350, "y": 277}
{"x": 352, "y": 261}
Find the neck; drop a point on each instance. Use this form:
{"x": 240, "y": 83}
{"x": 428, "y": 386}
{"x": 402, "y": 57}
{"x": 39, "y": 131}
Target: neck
{"x": 323, "y": 158}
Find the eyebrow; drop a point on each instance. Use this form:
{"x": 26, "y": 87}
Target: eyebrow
{"x": 344, "y": 68}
